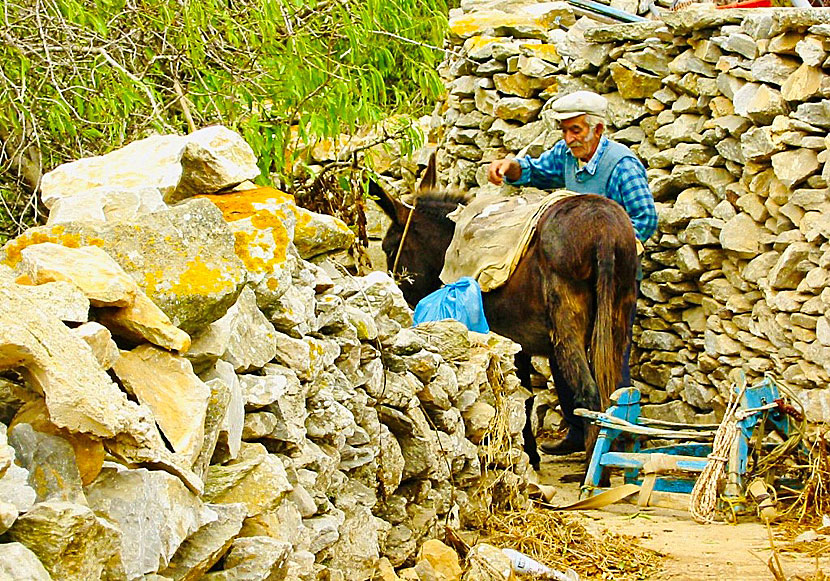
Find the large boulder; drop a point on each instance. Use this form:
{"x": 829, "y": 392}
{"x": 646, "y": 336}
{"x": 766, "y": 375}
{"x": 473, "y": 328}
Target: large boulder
{"x": 206, "y": 161}
{"x": 182, "y": 258}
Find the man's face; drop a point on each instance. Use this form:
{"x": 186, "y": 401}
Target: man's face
{"x": 579, "y": 137}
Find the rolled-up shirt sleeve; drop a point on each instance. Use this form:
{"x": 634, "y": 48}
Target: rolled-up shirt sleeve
{"x": 545, "y": 171}
{"x": 628, "y": 185}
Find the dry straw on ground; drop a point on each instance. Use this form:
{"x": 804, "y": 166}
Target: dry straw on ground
{"x": 560, "y": 541}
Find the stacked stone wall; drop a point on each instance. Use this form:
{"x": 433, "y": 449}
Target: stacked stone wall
{"x": 190, "y": 388}
{"x": 729, "y": 111}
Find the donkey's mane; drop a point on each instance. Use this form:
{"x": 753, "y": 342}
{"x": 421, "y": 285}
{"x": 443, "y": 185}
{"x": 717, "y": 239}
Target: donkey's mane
{"x": 439, "y": 203}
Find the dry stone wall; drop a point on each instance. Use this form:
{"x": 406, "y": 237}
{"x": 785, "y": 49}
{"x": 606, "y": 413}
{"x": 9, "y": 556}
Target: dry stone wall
{"x": 729, "y": 110}
{"x": 191, "y": 389}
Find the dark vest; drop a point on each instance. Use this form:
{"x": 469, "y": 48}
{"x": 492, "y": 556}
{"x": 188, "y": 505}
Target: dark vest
{"x": 597, "y": 183}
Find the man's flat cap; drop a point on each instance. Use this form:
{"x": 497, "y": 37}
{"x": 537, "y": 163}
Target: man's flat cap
{"x": 578, "y": 103}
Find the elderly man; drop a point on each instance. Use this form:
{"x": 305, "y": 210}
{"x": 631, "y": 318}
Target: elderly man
{"x": 586, "y": 162}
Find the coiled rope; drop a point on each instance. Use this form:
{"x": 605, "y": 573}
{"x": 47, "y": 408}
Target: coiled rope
{"x": 704, "y": 498}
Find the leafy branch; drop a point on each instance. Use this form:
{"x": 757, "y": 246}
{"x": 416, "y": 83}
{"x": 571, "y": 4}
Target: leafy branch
{"x": 81, "y": 78}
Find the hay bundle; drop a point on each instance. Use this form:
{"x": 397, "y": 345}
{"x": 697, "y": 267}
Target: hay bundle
{"x": 561, "y": 542}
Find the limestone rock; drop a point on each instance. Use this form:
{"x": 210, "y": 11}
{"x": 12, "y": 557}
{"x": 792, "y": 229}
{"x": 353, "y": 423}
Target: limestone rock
{"x": 450, "y": 339}
{"x": 89, "y": 451}
{"x": 201, "y": 550}
{"x": 89, "y": 268}
{"x": 154, "y": 511}
{"x": 230, "y": 430}
{"x": 794, "y": 166}
{"x": 477, "y": 420}
{"x": 252, "y": 339}
{"x": 206, "y": 161}
{"x": 317, "y": 234}
{"x": 759, "y": 143}
{"x": 289, "y": 407}
{"x": 785, "y": 273}
{"x": 144, "y": 321}
{"x": 615, "y": 32}
{"x": 773, "y": 68}
{"x": 488, "y": 563}
{"x": 63, "y": 300}
{"x": 252, "y": 559}
{"x": 152, "y": 162}
{"x": 16, "y": 493}
{"x": 419, "y": 443}
{"x": 741, "y": 234}
{"x": 182, "y": 258}
{"x": 517, "y": 109}
{"x": 17, "y": 563}
{"x": 497, "y": 23}
{"x": 80, "y": 396}
{"x": 803, "y": 84}
{"x": 211, "y": 343}
{"x": 70, "y": 541}
{"x": 623, "y": 112}
{"x": 263, "y": 223}
{"x": 816, "y": 405}
{"x": 106, "y": 204}
{"x": 256, "y": 479}
{"x": 766, "y": 103}
{"x": 632, "y": 83}
{"x": 443, "y": 559}
{"x": 293, "y": 313}
{"x": 167, "y": 385}
{"x": 100, "y": 341}
{"x": 520, "y": 84}
{"x": 217, "y": 410}
{"x": 50, "y": 462}
{"x": 356, "y": 551}
{"x": 214, "y": 159}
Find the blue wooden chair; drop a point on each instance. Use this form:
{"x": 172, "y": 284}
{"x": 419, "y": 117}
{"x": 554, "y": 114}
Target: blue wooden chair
{"x": 668, "y": 471}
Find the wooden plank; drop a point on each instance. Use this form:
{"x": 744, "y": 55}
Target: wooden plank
{"x": 636, "y": 460}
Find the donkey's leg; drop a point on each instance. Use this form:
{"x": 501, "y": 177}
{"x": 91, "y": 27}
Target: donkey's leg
{"x": 569, "y": 311}
{"x": 565, "y": 395}
{"x": 523, "y": 367}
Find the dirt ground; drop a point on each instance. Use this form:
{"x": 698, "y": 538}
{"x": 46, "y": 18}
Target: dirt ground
{"x": 692, "y": 551}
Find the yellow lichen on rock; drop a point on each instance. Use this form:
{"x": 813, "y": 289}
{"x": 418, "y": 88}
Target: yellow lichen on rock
{"x": 263, "y": 245}
{"x": 546, "y": 52}
{"x": 247, "y": 203}
{"x": 199, "y": 278}
{"x": 56, "y": 235}
{"x": 478, "y": 23}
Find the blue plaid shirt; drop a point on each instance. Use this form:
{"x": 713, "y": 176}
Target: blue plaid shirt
{"x": 628, "y": 185}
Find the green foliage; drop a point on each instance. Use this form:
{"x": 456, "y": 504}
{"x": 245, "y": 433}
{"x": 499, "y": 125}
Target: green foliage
{"x": 82, "y": 77}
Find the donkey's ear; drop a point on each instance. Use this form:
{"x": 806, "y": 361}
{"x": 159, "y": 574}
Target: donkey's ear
{"x": 429, "y": 181}
{"x": 390, "y": 205}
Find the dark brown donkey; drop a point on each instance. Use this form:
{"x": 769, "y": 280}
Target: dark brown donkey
{"x": 569, "y": 299}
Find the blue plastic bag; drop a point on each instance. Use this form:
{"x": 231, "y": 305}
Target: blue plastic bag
{"x": 460, "y": 300}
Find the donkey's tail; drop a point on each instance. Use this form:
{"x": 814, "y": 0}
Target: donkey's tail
{"x": 606, "y": 354}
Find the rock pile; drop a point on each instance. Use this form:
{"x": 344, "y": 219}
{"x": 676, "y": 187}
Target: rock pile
{"x": 729, "y": 111}
{"x": 190, "y": 389}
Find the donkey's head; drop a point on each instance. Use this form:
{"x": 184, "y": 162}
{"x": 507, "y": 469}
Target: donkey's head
{"x": 419, "y": 234}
